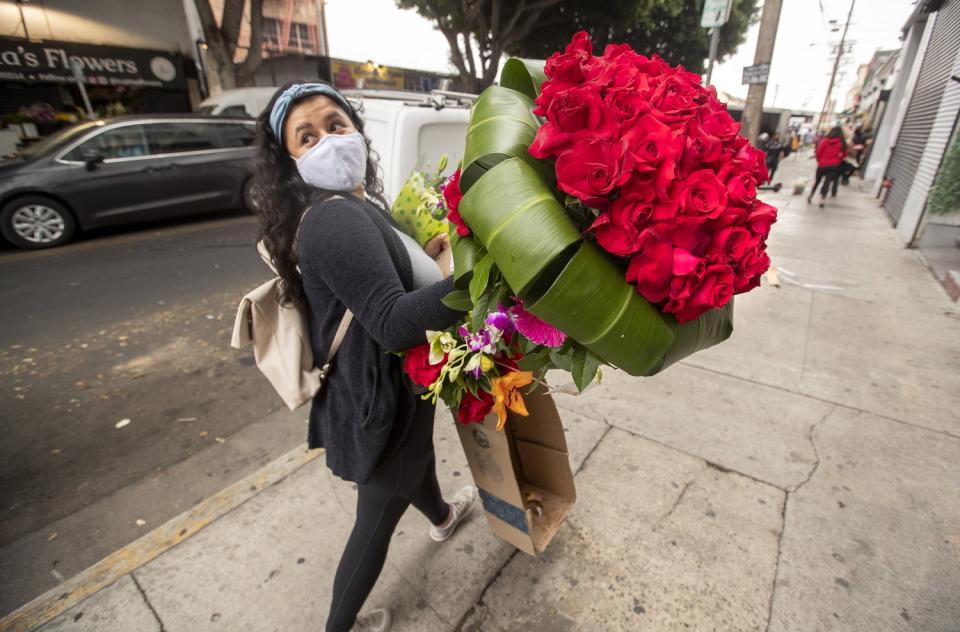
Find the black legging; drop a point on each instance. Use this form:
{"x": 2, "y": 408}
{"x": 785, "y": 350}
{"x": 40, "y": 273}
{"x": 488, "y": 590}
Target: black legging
{"x": 830, "y": 176}
{"x": 407, "y": 477}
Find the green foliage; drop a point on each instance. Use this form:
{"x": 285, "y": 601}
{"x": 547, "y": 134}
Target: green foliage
{"x": 479, "y": 31}
{"x": 669, "y": 28}
{"x": 945, "y": 195}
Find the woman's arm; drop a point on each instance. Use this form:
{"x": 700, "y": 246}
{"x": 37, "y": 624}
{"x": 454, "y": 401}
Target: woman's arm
{"x": 341, "y": 245}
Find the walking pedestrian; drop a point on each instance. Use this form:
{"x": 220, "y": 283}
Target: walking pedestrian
{"x": 830, "y": 152}
{"x": 773, "y": 148}
{"x": 347, "y": 254}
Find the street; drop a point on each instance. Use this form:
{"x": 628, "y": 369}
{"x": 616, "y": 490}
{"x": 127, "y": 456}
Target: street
{"x": 128, "y": 324}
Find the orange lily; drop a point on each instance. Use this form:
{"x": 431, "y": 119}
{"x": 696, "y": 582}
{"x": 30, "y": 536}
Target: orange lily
{"x": 506, "y": 394}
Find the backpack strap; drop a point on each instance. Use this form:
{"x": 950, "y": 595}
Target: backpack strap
{"x": 337, "y": 341}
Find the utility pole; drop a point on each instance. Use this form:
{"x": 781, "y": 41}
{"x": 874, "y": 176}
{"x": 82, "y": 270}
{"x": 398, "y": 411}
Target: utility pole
{"x": 714, "y": 44}
{"x": 753, "y": 110}
{"x": 836, "y": 65}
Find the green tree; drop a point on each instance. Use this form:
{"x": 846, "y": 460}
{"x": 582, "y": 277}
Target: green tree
{"x": 669, "y": 28}
{"x": 480, "y": 31}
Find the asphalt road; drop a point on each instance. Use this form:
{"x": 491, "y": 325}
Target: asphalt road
{"x": 130, "y": 324}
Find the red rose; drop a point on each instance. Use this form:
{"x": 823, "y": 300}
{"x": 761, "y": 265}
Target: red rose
{"x": 416, "y": 363}
{"x": 618, "y": 229}
{"x": 573, "y": 114}
{"x": 701, "y": 194}
{"x": 576, "y": 63}
{"x": 451, "y": 197}
{"x": 473, "y": 409}
{"x": 750, "y": 159}
{"x": 700, "y": 292}
{"x": 687, "y": 232}
{"x": 672, "y": 100}
{"x": 627, "y": 105}
{"x": 652, "y": 143}
{"x": 750, "y": 268}
{"x": 650, "y": 269}
{"x": 700, "y": 148}
{"x": 577, "y": 108}
{"x": 741, "y": 189}
{"x": 591, "y": 169}
{"x": 730, "y": 243}
{"x": 719, "y": 123}
{"x": 621, "y": 73}
{"x": 761, "y": 217}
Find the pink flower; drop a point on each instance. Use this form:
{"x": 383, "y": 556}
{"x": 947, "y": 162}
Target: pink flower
{"x": 535, "y": 329}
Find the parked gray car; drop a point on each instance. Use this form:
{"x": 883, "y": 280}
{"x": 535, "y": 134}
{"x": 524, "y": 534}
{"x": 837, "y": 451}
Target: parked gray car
{"x": 123, "y": 170}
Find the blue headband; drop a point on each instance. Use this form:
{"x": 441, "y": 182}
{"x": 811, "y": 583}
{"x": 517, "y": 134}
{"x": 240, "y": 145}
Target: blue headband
{"x": 278, "y": 115}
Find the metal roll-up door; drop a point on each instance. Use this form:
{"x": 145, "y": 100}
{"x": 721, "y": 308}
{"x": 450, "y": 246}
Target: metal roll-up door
{"x": 922, "y": 110}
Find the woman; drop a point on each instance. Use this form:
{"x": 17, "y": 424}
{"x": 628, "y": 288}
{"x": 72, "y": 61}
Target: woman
{"x": 831, "y": 150}
{"x": 376, "y": 431}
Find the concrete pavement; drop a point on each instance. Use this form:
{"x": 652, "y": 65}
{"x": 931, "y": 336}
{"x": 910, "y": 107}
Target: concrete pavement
{"x": 802, "y": 476}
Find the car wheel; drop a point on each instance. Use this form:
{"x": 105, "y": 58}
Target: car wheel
{"x": 35, "y": 222}
{"x": 249, "y": 197}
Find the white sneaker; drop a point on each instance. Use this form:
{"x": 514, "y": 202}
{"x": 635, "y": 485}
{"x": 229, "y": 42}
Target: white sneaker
{"x": 377, "y": 620}
{"x": 462, "y": 504}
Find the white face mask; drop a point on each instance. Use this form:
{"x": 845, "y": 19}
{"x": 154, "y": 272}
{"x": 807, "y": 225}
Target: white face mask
{"x": 337, "y": 162}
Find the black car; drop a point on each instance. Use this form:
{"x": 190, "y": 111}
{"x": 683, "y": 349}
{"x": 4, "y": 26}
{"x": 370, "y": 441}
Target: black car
{"x": 122, "y": 170}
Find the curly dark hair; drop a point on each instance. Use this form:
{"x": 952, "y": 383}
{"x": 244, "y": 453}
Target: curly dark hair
{"x": 280, "y": 197}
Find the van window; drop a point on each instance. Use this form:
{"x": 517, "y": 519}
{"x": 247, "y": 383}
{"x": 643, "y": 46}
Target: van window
{"x": 235, "y": 111}
{"x": 235, "y": 134}
{"x": 120, "y": 142}
{"x": 172, "y": 138}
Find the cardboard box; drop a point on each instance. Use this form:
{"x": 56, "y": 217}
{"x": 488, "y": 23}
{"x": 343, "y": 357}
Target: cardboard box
{"x": 523, "y": 473}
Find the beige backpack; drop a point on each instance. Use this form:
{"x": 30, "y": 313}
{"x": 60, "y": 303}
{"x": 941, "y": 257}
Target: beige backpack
{"x": 281, "y": 340}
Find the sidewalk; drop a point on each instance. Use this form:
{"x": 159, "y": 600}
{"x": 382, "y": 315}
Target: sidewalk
{"x": 802, "y": 476}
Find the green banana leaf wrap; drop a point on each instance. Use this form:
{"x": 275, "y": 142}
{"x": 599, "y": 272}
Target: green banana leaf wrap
{"x": 516, "y": 215}
{"x": 408, "y": 211}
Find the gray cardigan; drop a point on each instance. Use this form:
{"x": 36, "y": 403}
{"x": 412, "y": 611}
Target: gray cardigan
{"x": 350, "y": 257}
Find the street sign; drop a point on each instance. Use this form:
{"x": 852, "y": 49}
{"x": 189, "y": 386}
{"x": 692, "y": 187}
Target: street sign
{"x": 715, "y": 13}
{"x": 755, "y": 74}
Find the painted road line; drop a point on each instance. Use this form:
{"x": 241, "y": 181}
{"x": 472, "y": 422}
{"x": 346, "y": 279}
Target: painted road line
{"x": 122, "y": 240}
{"x": 131, "y": 557}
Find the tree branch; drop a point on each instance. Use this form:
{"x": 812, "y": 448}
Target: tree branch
{"x": 254, "y": 53}
{"x": 230, "y": 23}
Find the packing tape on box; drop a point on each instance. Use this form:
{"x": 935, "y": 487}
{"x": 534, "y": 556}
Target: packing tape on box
{"x": 511, "y": 514}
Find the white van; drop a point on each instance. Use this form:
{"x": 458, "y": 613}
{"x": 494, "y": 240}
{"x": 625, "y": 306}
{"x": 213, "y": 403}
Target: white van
{"x": 241, "y": 102}
{"x": 410, "y": 130}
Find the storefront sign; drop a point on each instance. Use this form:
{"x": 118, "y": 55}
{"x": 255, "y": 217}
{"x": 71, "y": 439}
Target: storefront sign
{"x": 350, "y": 74}
{"x": 54, "y": 62}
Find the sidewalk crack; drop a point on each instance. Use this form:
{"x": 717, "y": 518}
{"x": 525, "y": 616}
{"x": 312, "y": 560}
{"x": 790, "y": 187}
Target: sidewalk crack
{"x": 594, "y": 448}
{"x": 676, "y": 503}
{"x": 153, "y": 610}
{"x": 776, "y": 568}
{"x": 811, "y": 437}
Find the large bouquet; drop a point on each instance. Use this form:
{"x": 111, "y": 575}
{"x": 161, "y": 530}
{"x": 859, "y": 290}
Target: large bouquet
{"x": 605, "y": 213}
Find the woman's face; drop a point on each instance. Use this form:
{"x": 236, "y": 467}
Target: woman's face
{"x": 311, "y": 119}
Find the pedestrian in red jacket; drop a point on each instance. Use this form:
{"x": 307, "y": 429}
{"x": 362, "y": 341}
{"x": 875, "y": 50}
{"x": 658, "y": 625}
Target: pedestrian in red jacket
{"x": 831, "y": 151}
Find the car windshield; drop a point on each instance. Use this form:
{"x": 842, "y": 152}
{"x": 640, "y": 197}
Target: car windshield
{"x": 55, "y": 140}
{"x": 206, "y": 109}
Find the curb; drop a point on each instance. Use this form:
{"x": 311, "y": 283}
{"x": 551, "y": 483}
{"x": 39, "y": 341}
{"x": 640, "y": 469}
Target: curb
{"x": 151, "y": 545}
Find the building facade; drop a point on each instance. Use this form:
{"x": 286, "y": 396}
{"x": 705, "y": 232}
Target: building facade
{"x": 917, "y": 129}
{"x": 130, "y": 55}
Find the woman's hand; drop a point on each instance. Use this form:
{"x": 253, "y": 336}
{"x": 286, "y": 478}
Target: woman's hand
{"x": 438, "y": 249}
